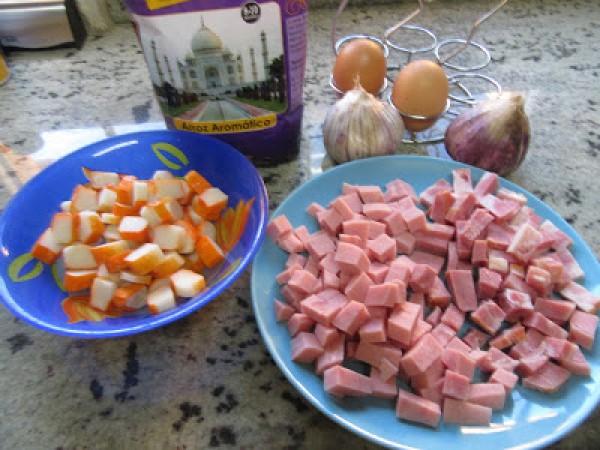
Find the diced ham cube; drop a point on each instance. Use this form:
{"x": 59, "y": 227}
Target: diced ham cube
{"x": 305, "y": 347}
{"x": 330, "y": 220}
{"x": 299, "y": 322}
{"x": 434, "y": 316}
{"x": 461, "y": 412}
{"x": 333, "y": 354}
{"x": 324, "y": 306}
{"x": 475, "y": 338}
{"x": 421, "y": 355}
{"x": 386, "y": 294}
{"x": 487, "y": 184}
{"x": 456, "y": 385}
{"x": 373, "y": 330}
{"x": 319, "y": 245}
{"x": 422, "y": 277}
{"x": 525, "y": 242}
{"x": 583, "y": 298}
{"x": 462, "y": 288}
{"x": 341, "y": 382}
{"x": 434, "y": 261}
{"x": 548, "y": 379}
{"x": 429, "y": 377}
{"x": 539, "y": 279}
{"x": 545, "y": 326}
{"x": 382, "y": 248}
{"x": 402, "y": 322}
{"x": 438, "y": 295}
{"x": 376, "y": 211}
{"x": 461, "y": 181}
{"x": 517, "y": 305}
{"x": 413, "y": 408}
{"x": 278, "y": 227}
{"x": 459, "y": 362}
{"x": 458, "y": 344}
{"x": 351, "y": 259}
{"x": 443, "y": 334}
{"x": 371, "y": 194}
{"x": 351, "y": 317}
{"x": 502, "y": 209}
{"x": 343, "y": 206}
{"x": 326, "y": 334}
{"x": 358, "y": 287}
{"x": 442, "y": 203}
{"x": 453, "y": 317}
{"x": 508, "y": 337}
{"x": 557, "y": 310}
{"x": 488, "y": 283}
{"x": 506, "y": 378}
{"x": 582, "y": 328}
{"x": 382, "y": 388}
{"x": 283, "y": 311}
{"x": 427, "y": 197}
{"x": 576, "y": 363}
{"x": 492, "y": 395}
{"x": 462, "y": 208}
{"x": 495, "y": 359}
{"x": 303, "y": 281}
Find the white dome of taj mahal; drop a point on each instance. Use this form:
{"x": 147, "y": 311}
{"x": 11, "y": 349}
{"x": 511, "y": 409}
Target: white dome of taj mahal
{"x": 206, "y": 40}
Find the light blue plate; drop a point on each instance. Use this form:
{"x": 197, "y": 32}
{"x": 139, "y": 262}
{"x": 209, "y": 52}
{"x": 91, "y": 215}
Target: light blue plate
{"x": 529, "y": 420}
{"x": 32, "y": 294}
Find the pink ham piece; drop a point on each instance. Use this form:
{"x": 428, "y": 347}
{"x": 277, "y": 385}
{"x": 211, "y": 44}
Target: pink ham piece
{"x": 330, "y": 220}
{"x": 459, "y": 362}
{"x": 461, "y": 181}
{"x": 421, "y": 355}
{"x": 299, "y": 322}
{"x": 358, "y": 287}
{"x": 324, "y": 306}
{"x": 413, "y": 408}
{"x": 453, "y": 317}
{"x": 278, "y": 227}
{"x": 582, "y": 329}
{"x": 303, "y": 281}
{"x": 492, "y": 395}
{"x": 351, "y": 317}
{"x": 475, "y": 338}
{"x": 462, "y": 288}
{"x": 549, "y": 378}
{"x": 305, "y": 347}
{"x": 341, "y": 382}
{"x": 422, "y": 277}
{"x": 502, "y": 209}
{"x": 584, "y": 299}
{"x": 429, "y": 377}
{"x": 402, "y": 322}
{"x": 320, "y": 244}
{"x": 516, "y": 304}
{"x": 462, "y": 208}
{"x": 370, "y": 194}
{"x": 351, "y": 259}
{"x": 386, "y": 294}
{"x": 332, "y": 355}
{"x": 357, "y": 227}
{"x": 487, "y": 184}
{"x": 525, "y": 242}
{"x": 382, "y": 248}
{"x": 545, "y": 326}
{"x": 442, "y": 203}
{"x": 382, "y": 388}
{"x": 456, "y": 385}
{"x": 438, "y": 296}
{"x": 557, "y": 310}
{"x": 507, "y": 379}
{"x": 283, "y": 311}
{"x": 508, "y": 337}
{"x": 427, "y": 197}
{"x": 488, "y": 283}
{"x": 373, "y": 330}
{"x": 462, "y": 412}
{"x": 326, "y": 334}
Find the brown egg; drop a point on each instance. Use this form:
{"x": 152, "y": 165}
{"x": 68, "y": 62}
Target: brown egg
{"x": 360, "y": 57}
{"x": 420, "y": 89}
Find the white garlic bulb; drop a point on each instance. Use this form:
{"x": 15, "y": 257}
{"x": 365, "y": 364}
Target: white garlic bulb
{"x": 359, "y": 125}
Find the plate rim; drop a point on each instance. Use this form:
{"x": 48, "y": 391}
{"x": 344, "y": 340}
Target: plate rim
{"x": 575, "y": 419}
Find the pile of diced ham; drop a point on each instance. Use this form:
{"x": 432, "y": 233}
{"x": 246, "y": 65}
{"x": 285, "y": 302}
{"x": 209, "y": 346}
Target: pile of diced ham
{"x": 447, "y": 298}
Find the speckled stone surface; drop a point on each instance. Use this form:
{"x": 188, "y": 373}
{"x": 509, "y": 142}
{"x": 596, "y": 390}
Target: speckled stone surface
{"x": 208, "y": 381}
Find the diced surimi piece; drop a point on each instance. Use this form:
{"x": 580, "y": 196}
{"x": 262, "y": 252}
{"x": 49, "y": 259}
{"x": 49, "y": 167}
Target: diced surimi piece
{"x": 187, "y": 283}
{"x": 169, "y": 187}
{"x": 78, "y": 280}
{"x": 104, "y": 251}
{"x": 78, "y": 256}
{"x": 108, "y": 218}
{"x": 210, "y": 203}
{"x": 131, "y": 277}
{"x": 402, "y": 322}
{"x": 144, "y": 259}
{"x": 414, "y": 408}
{"x": 465, "y": 413}
{"x": 161, "y": 299}
{"x": 305, "y": 347}
{"x": 547, "y": 379}
{"x": 64, "y": 227}
{"x": 419, "y": 357}
{"x": 582, "y": 328}
{"x": 130, "y": 297}
{"x": 101, "y": 293}
{"x": 196, "y": 181}
{"x": 100, "y": 178}
{"x": 134, "y": 228}
{"x": 89, "y": 227}
{"x": 210, "y": 252}
{"x": 557, "y": 310}
{"x": 168, "y": 236}
{"x": 107, "y": 199}
{"x": 46, "y": 248}
{"x": 84, "y": 199}
{"x": 341, "y": 382}
{"x": 582, "y": 297}
{"x": 462, "y": 288}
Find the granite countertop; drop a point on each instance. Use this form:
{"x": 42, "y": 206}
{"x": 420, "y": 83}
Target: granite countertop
{"x": 208, "y": 380}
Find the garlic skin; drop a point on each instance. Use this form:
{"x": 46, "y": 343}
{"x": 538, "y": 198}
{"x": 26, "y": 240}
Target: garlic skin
{"x": 360, "y": 126}
{"x": 493, "y": 135}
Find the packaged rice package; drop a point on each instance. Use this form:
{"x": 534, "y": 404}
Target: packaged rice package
{"x": 231, "y": 69}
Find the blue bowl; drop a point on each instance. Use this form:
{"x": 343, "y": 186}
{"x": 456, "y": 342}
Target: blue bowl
{"x": 29, "y": 288}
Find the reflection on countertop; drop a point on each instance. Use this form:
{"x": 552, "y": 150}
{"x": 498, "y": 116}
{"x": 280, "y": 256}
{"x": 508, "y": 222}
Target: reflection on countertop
{"x": 207, "y": 380}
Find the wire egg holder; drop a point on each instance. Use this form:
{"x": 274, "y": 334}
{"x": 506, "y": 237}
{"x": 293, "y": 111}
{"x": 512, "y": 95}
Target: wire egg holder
{"x": 460, "y": 96}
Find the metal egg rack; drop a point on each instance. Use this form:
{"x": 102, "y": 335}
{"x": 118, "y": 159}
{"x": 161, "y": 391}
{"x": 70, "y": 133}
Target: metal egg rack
{"x": 460, "y": 96}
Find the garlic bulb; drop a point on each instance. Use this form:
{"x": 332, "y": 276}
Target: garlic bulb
{"x": 359, "y": 126}
{"x": 493, "y": 135}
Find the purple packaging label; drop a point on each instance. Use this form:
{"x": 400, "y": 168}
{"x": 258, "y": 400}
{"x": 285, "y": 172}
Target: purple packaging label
{"x": 231, "y": 69}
